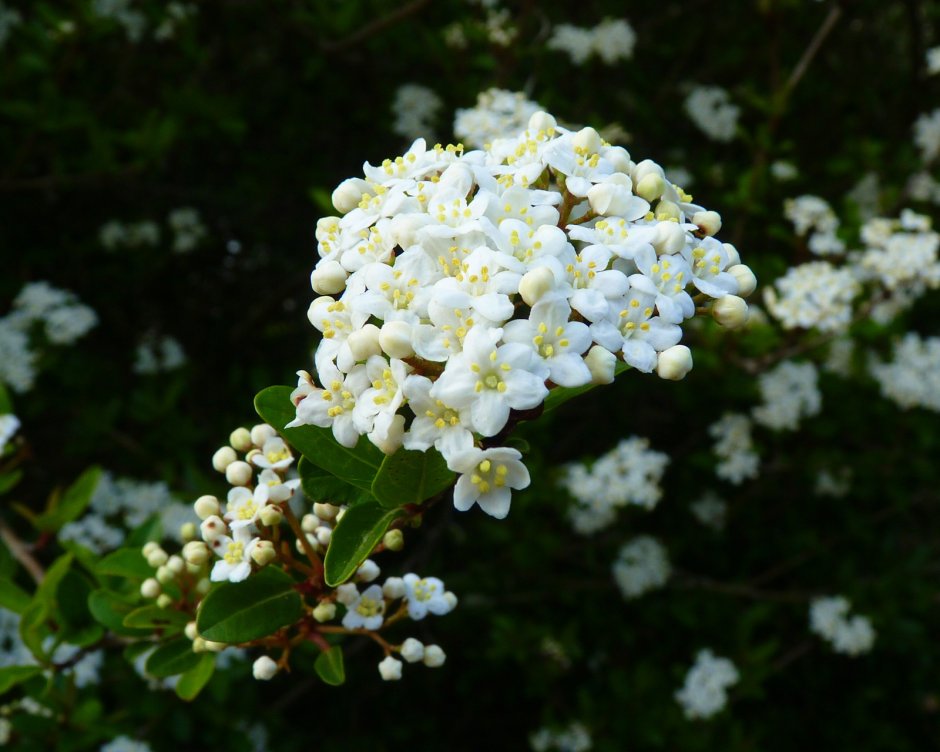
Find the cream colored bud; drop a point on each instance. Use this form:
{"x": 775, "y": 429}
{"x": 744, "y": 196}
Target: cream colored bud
{"x": 450, "y": 599}
{"x": 434, "y": 656}
{"x": 240, "y": 439}
{"x": 326, "y": 226}
{"x": 670, "y": 238}
{"x": 588, "y": 139}
{"x": 620, "y": 159}
{"x": 199, "y": 645}
{"x": 734, "y": 257}
{"x": 542, "y": 121}
{"x": 674, "y": 363}
{"x": 412, "y": 650}
{"x": 747, "y": 282}
{"x": 193, "y": 568}
{"x": 325, "y": 511}
{"x": 190, "y": 631}
{"x": 188, "y": 531}
{"x": 393, "y": 588}
{"x": 164, "y": 575}
{"x": 395, "y": 339}
{"x": 261, "y": 433}
{"x": 157, "y": 558}
{"x": 211, "y": 528}
{"x": 324, "y": 612}
{"x": 368, "y": 571}
{"x": 215, "y": 647}
{"x": 195, "y": 552}
{"x": 150, "y": 588}
{"x": 149, "y": 548}
{"x": 602, "y": 363}
{"x": 348, "y": 194}
{"x": 263, "y": 553}
{"x": 668, "y": 210}
{"x": 730, "y": 311}
{"x": 206, "y": 506}
{"x": 708, "y": 222}
{"x": 324, "y": 535}
{"x": 535, "y": 283}
{"x": 647, "y": 167}
{"x": 650, "y": 186}
{"x": 309, "y": 522}
{"x": 394, "y": 540}
{"x": 364, "y": 342}
{"x": 202, "y": 587}
{"x": 238, "y": 473}
{"x": 391, "y": 442}
{"x": 390, "y": 668}
{"x": 223, "y": 457}
{"x": 271, "y": 515}
{"x": 175, "y": 564}
{"x": 328, "y": 277}
{"x": 164, "y": 601}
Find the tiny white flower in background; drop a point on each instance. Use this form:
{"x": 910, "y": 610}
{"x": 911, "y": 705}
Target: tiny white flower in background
{"x": 642, "y": 565}
{"x": 9, "y": 425}
{"x": 933, "y": 61}
{"x": 365, "y": 610}
{"x": 783, "y": 171}
{"x": 836, "y": 484}
{"x": 705, "y": 692}
{"x": 486, "y": 477}
{"x": 789, "y": 393}
{"x": 415, "y": 109}
{"x": 390, "y": 668}
{"x": 710, "y": 108}
{"x": 927, "y": 135}
{"x": 912, "y": 377}
{"x": 735, "y": 448}
{"x": 187, "y": 228}
{"x": 9, "y": 19}
{"x": 425, "y": 595}
{"x": 810, "y": 213}
{"x": 158, "y": 355}
{"x": 828, "y": 617}
{"x": 711, "y": 510}
{"x": 611, "y": 40}
{"x": 498, "y": 113}
{"x": 125, "y": 744}
{"x": 813, "y": 295}
{"x": 574, "y": 738}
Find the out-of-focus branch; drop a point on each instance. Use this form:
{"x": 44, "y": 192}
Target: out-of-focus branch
{"x": 376, "y": 26}
{"x": 21, "y": 553}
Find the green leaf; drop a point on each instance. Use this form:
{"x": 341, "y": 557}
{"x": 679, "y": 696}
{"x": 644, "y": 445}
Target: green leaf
{"x": 109, "y": 609}
{"x": 6, "y": 405}
{"x": 353, "y": 539}
{"x": 46, "y": 591}
{"x": 31, "y": 632}
{"x": 171, "y": 659}
{"x": 10, "y": 676}
{"x": 126, "y": 562}
{"x": 408, "y": 477}
{"x": 356, "y": 466}
{"x": 235, "y": 612}
{"x": 150, "y": 529}
{"x": 329, "y": 666}
{"x": 13, "y": 598}
{"x": 9, "y": 480}
{"x": 154, "y": 617}
{"x": 72, "y": 503}
{"x": 320, "y": 485}
{"x": 190, "y": 684}
{"x": 561, "y": 394}
{"x": 78, "y": 626}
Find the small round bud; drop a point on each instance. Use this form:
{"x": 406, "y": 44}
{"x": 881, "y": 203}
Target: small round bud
{"x": 647, "y": 167}
{"x": 434, "y": 656}
{"x": 602, "y": 363}
{"x": 347, "y": 593}
{"x": 215, "y": 647}
{"x": 164, "y": 575}
{"x": 199, "y": 645}
{"x": 587, "y": 139}
{"x": 394, "y": 540}
{"x": 271, "y": 515}
{"x": 264, "y": 668}
{"x": 733, "y": 256}
{"x": 240, "y": 439}
{"x": 620, "y": 159}
{"x": 325, "y": 511}
{"x": 390, "y": 669}
{"x": 164, "y": 601}
{"x": 195, "y": 552}
{"x": 193, "y": 568}
{"x": 206, "y": 506}
{"x": 730, "y": 311}
{"x": 364, "y": 342}
{"x": 669, "y": 239}
{"x": 211, "y": 528}
{"x": 328, "y": 278}
{"x": 368, "y": 571}
{"x": 395, "y": 339}
{"x": 542, "y": 121}
{"x": 238, "y": 473}
{"x": 747, "y": 282}
{"x": 668, "y": 210}
{"x": 310, "y": 522}
{"x": 190, "y": 631}
{"x": 650, "y": 187}
{"x": 188, "y": 531}
{"x": 674, "y": 363}
{"x": 223, "y": 457}
{"x": 149, "y": 548}
{"x": 348, "y": 194}
{"x": 708, "y": 222}
{"x": 263, "y": 553}
{"x": 412, "y": 650}
{"x": 324, "y": 612}
{"x": 150, "y": 588}
{"x": 324, "y": 535}
{"x": 451, "y": 600}
{"x": 393, "y": 588}
{"x": 391, "y": 442}
{"x": 175, "y": 564}
{"x": 261, "y": 433}
{"x": 535, "y": 284}
{"x": 202, "y": 587}
{"x": 157, "y": 558}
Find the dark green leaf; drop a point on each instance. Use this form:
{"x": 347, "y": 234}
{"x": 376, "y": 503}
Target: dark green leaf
{"x": 126, "y": 562}
{"x": 235, "y": 612}
{"x": 6, "y": 405}
{"x": 171, "y": 659}
{"x": 329, "y": 666}
{"x": 408, "y": 477}
{"x": 190, "y": 684}
{"x": 320, "y": 485}
{"x": 110, "y": 609}
{"x": 13, "y": 598}
{"x": 10, "y": 676}
{"x": 353, "y": 539}
{"x": 9, "y": 480}
{"x": 154, "y": 617}
{"x": 72, "y": 503}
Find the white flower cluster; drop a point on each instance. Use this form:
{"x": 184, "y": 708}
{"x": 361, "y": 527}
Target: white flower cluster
{"x": 612, "y": 40}
{"x": 115, "y": 234}
{"x": 415, "y": 109}
{"x": 630, "y": 473}
{"x": 158, "y": 355}
{"x": 735, "y": 448}
{"x": 790, "y": 392}
{"x": 782, "y": 170}
{"x": 927, "y": 135}
{"x": 497, "y": 114}
{"x": 125, "y": 744}
{"x": 710, "y": 108}
{"x": 9, "y": 19}
{"x": 123, "y": 13}
{"x": 642, "y": 565}
{"x": 705, "y": 691}
{"x": 912, "y": 377}
{"x": 810, "y": 214}
{"x": 176, "y": 15}
{"x": 711, "y": 510}
{"x": 900, "y": 255}
{"x": 828, "y": 617}
{"x": 187, "y": 228}
{"x": 923, "y": 187}
{"x": 493, "y": 275}
{"x": 834, "y": 483}
{"x": 574, "y": 738}
{"x": 9, "y": 425}
{"x": 251, "y": 501}
{"x": 39, "y": 305}
{"x": 816, "y": 294}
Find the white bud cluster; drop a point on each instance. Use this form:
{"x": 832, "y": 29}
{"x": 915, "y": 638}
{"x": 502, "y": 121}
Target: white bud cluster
{"x": 419, "y": 596}
{"x": 174, "y": 574}
{"x": 829, "y": 618}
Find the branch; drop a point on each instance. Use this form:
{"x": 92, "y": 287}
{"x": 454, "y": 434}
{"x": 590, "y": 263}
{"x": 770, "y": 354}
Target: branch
{"x": 22, "y": 553}
{"x": 376, "y": 26}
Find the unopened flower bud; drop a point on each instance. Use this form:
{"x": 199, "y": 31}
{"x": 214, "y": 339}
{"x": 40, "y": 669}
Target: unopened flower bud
{"x": 325, "y": 511}
{"x": 157, "y": 558}
{"x": 730, "y": 311}
{"x": 264, "y": 668}
{"x": 310, "y": 522}
{"x": 708, "y": 222}
{"x": 195, "y": 552}
{"x": 199, "y": 645}
{"x": 348, "y": 194}
{"x": 150, "y": 588}
{"x": 175, "y": 564}
{"x": 542, "y": 121}
{"x": 620, "y": 159}
{"x": 240, "y": 439}
{"x": 324, "y": 535}
{"x": 668, "y": 210}
{"x": 535, "y": 283}
{"x": 412, "y": 650}
{"x": 261, "y": 433}
{"x": 434, "y": 656}
{"x": 368, "y": 571}
{"x": 211, "y": 528}
{"x": 164, "y": 575}
{"x": 451, "y": 600}
{"x": 602, "y": 363}
{"x": 392, "y": 441}
{"x": 215, "y": 647}
{"x": 324, "y": 612}
{"x": 202, "y": 587}
{"x": 393, "y": 588}
{"x": 190, "y": 631}
{"x": 645, "y": 168}
{"x": 733, "y": 256}
{"x": 651, "y": 187}
{"x": 223, "y": 457}
{"x": 263, "y": 553}
{"x": 271, "y": 515}
{"x": 149, "y": 548}
{"x": 193, "y": 568}
{"x": 747, "y": 282}
{"x": 347, "y": 593}
{"x": 328, "y": 278}
{"x": 674, "y": 363}
{"x": 364, "y": 342}
{"x": 164, "y": 601}
{"x": 238, "y": 473}
{"x": 670, "y": 238}
{"x": 188, "y": 531}
{"x": 206, "y": 506}
{"x": 390, "y": 669}
{"x": 395, "y": 339}
{"x": 394, "y": 540}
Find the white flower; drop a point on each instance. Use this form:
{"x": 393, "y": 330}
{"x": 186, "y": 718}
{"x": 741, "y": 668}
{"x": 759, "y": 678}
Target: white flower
{"x": 9, "y": 425}
{"x": 274, "y": 455}
{"x": 364, "y": 610}
{"x": 815, "y": 294}
{"x": 912, "y": 377}
{"x": 435, "y": 423}
{"x": 498, "y": 113}
{"x": 415, "y": 108}
{"x": 927, "y": 135}
{"x": 234, "y": 563}
{"x": 486, "y": 477}
{"x": 734, "y": 447}
{"x": 711, "y": 110}
{"x": 705, "y": 690}
{"x": 412, "y": 650}
{"x": 933, "y": 61}
{"x": 789, "y": 393}
{"x": 425, "y": 595}
{"x": 642, "y": 565}
{"x": 810, "y": 213}
{"x": 828, "y": 617}
{"x": 632, "y": 328}
{"x": 334, "y": 405}
{"x": 390, "y": 668}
